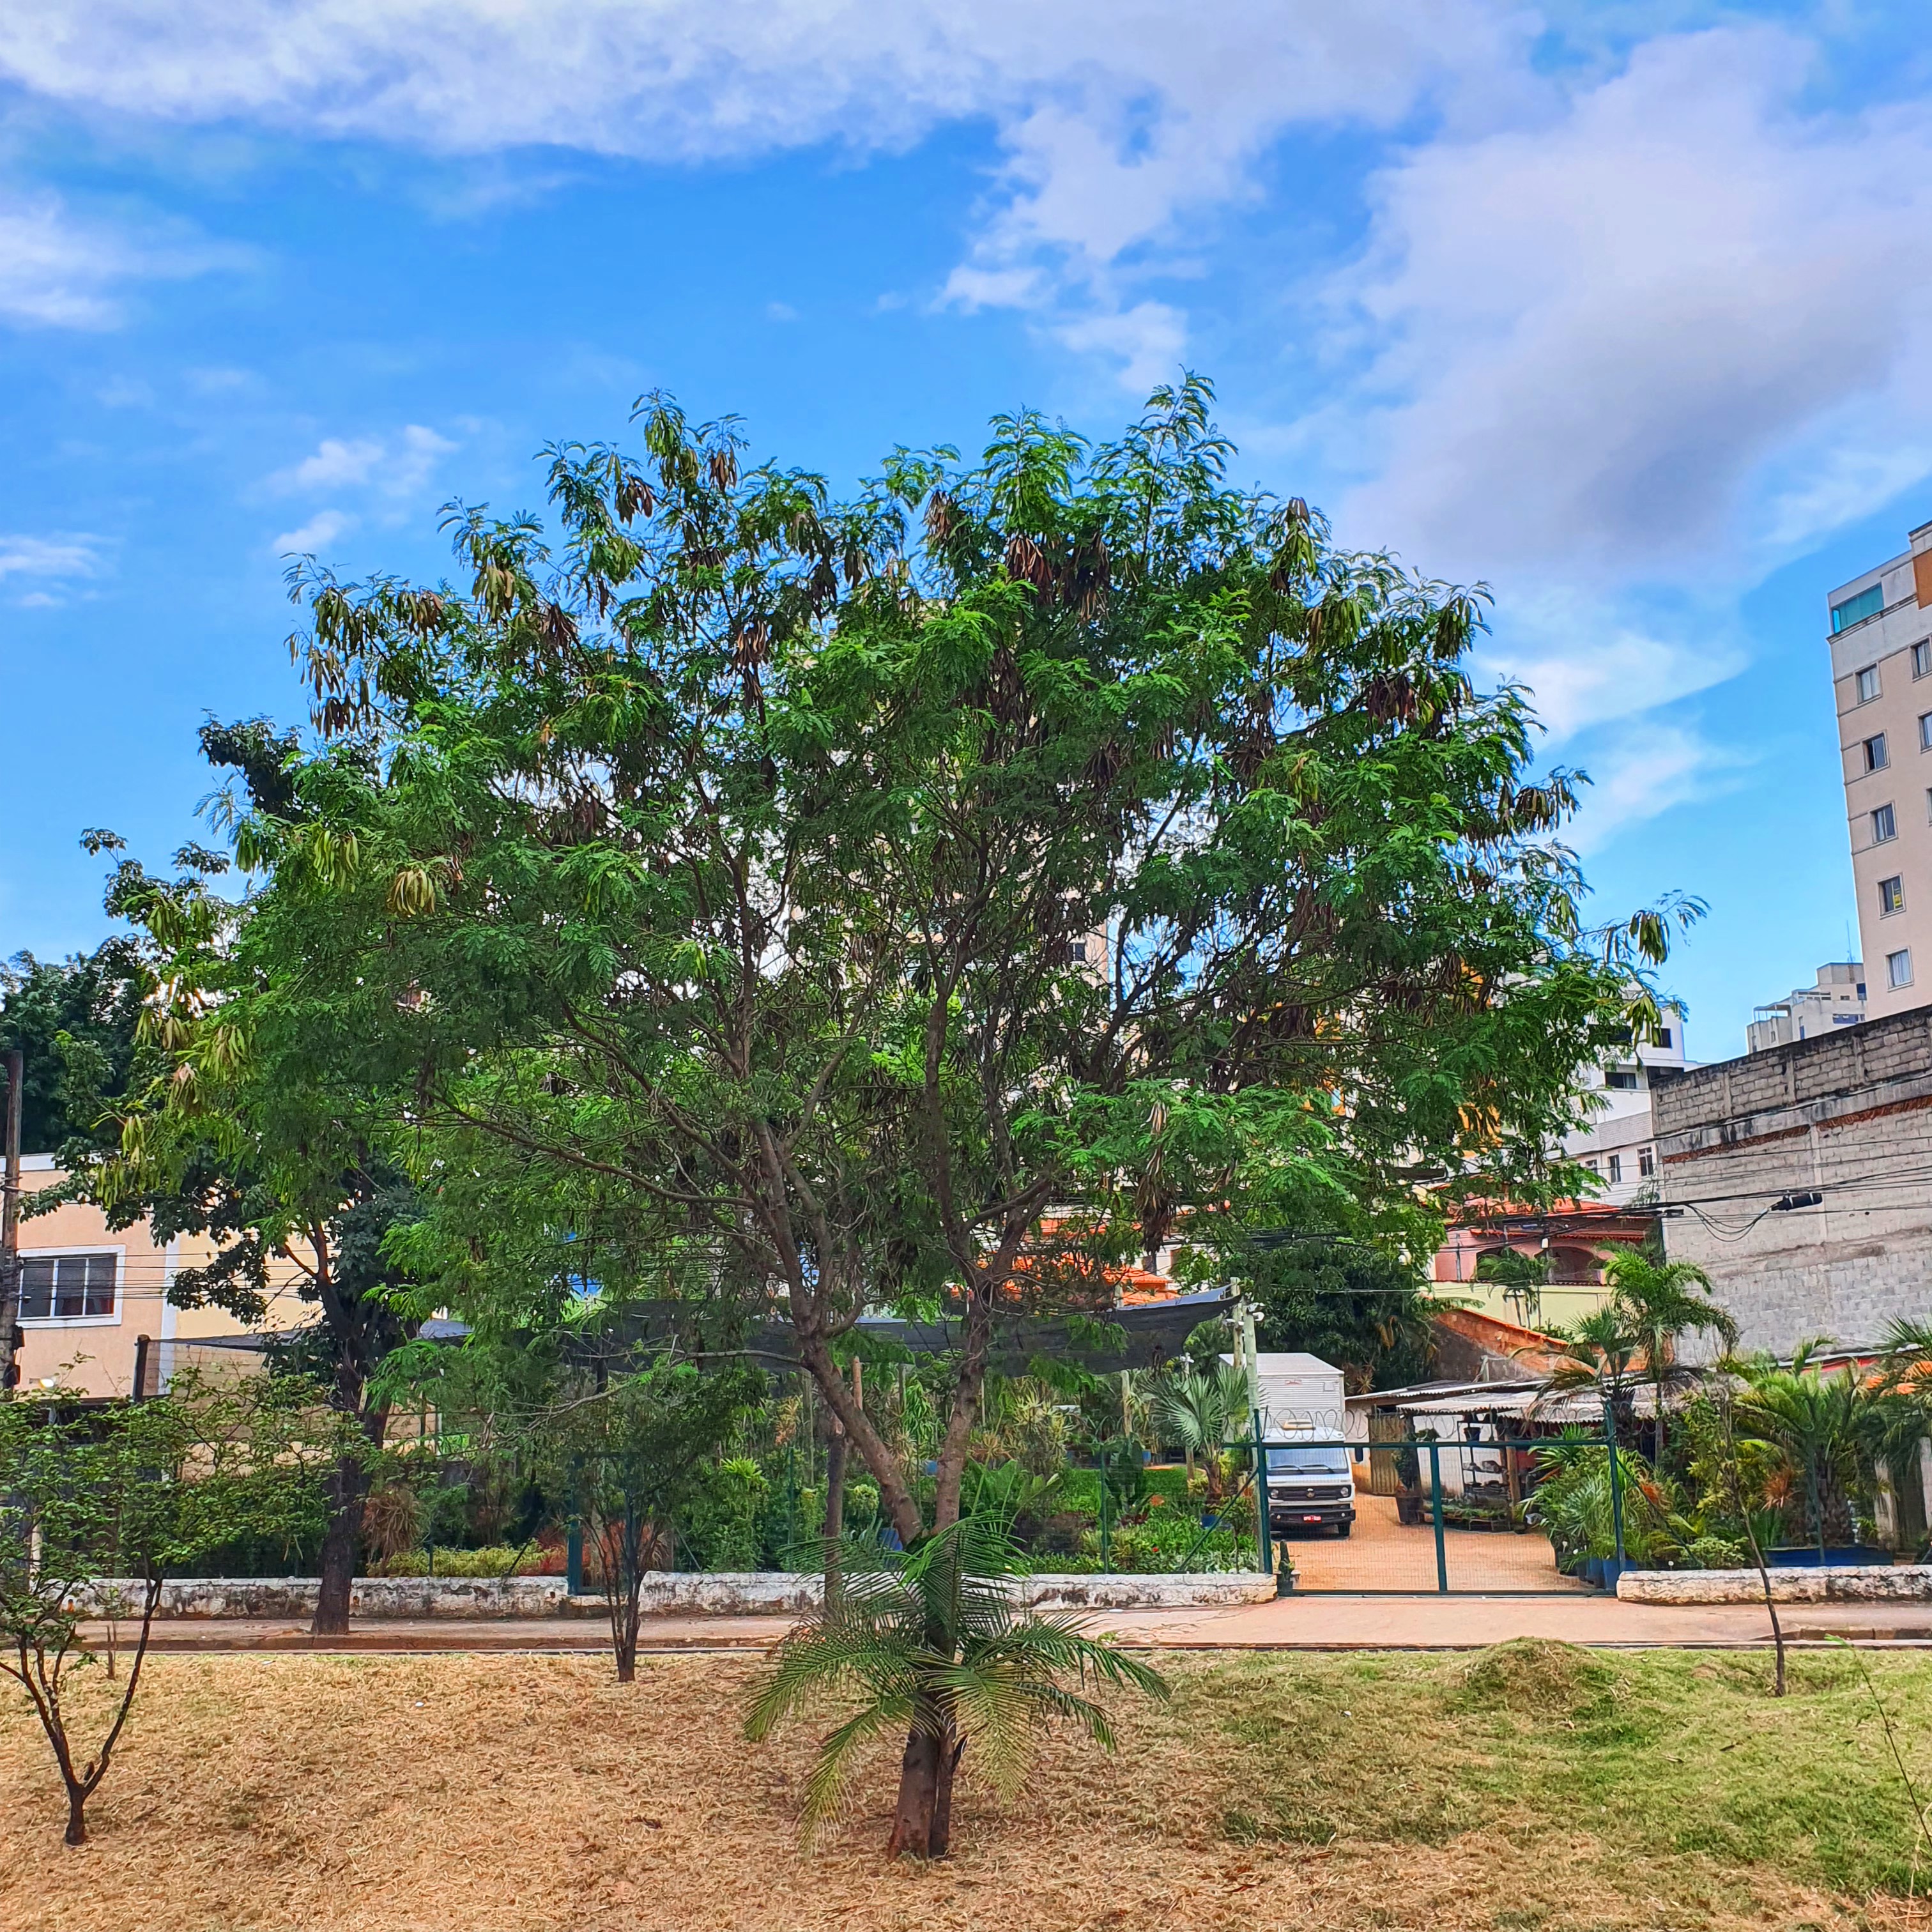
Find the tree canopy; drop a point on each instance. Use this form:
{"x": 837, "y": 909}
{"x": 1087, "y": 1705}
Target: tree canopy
{"x": 750, "y": 895}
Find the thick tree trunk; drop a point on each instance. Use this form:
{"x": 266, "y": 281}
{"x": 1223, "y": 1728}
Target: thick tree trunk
{"x": 347, "y": 1489}
{"x": 918, "y": 1798}
{"x": 942, "y": 1803}
{"x": 76, "y": 1816}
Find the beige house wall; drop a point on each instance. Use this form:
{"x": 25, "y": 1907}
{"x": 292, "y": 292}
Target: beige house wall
{"x": 95, "y": 1355}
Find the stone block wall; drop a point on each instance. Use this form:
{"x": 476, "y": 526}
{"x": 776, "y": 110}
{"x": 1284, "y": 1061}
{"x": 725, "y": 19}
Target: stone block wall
{"x": 1848, "y": 1115}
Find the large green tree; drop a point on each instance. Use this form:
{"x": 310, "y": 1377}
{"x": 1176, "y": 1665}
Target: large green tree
{"x": 262, "y": 1121}
{"x": 73, "y": 1020}
{"x": 792, "y": 900}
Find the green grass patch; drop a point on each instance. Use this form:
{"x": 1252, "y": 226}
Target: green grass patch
{"x": 1673, "y": 1763}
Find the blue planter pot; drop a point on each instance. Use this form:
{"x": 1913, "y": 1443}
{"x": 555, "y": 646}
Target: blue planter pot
{"x": 1593, "y": 1570}
{"x": 1804, "y": 1556}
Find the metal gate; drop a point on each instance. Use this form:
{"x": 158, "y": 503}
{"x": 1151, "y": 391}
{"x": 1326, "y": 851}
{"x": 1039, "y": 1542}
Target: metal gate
{"x": 1445, "y": 1515}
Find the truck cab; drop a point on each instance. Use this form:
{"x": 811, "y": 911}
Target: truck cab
{"x": 1311, "y": 1486}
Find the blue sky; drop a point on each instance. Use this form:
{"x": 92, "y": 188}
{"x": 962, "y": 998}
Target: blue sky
{"x": 1624, "y": 308}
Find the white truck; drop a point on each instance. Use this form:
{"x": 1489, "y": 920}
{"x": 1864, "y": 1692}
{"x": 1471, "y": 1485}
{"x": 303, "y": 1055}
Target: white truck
{"x": 1311, "y": 1478}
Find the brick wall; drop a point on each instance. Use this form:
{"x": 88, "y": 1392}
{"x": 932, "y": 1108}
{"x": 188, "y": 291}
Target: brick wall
{"x": 1848, "y": 1114}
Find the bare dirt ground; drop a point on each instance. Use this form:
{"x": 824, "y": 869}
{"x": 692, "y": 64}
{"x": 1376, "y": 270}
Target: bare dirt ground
{"x": 1382, "y": 1554}
{"x": 1552, "y": 1789}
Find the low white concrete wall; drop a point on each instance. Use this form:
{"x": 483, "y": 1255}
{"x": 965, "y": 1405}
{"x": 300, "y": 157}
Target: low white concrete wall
{"x": 756, "y": 1593}
{"x": 1836, "y": 1583}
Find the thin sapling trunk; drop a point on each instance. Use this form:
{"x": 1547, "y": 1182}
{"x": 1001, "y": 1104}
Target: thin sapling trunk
{"x": 40, "y": 1666}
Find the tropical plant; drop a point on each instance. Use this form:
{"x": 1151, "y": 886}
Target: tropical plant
{"x": 1575, "y": 1503}
{"x": 1201, "y": 1411}
{"x": 931, "y": 1645}
{"x": 1600, "y": 1352}
{"x": 1522, "y": 1277}
{"x": 1831, "y": 1426}
{"x": 1660, "y": 1305}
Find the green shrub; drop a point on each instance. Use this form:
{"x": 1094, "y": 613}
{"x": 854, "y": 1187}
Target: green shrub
{"x": 721, "y": 1528}
{"x": 495, "y": 1560}
{"x": 1717, "y": 1552}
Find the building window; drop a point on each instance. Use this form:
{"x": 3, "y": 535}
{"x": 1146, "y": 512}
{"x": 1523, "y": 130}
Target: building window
{"x": 67, "y": 1288}
{"x": 1646, "y": 1162}
{"x": 1922, "y": 658}
{"x": 1885, "y": 826}
{"x": 1616, "y": 1169}
{"x": 1868, "y": 684}
{"x": 1925, "y": 732}
{"x": 1856, "y": 610}
{"x": 1664, "y": 1036}
{"x": 1625, "y": 1079}
{"x": 1898, "y": 967}
{"x": 1892, "y": 895}
{"x": 1876, "y": 757}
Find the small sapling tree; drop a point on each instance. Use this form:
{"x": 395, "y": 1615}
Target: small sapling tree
{"x": 98, "y": 1507}
{"x": 625, "y": 1458}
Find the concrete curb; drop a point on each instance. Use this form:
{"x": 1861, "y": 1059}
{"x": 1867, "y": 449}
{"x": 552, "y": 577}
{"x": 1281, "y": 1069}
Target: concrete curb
{"x": 1835, "y": 1583}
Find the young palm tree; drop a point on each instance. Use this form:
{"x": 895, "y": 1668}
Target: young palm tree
{"x": 931, "y": 1646}
{"x": 1830, "y": 1427}
{"x": 1522, "y": 1277}
{"x": 1661, "y": 1306}
{"x": 1203, "y": 1412}
{"x": 1600, "y": 1351}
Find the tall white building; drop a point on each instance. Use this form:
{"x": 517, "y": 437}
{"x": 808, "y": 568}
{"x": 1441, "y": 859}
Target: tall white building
{"x": 1882, "y": 673}
{"x": 1837, "y": 1000}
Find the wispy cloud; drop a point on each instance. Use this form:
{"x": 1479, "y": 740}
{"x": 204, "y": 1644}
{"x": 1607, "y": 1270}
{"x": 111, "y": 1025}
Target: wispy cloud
{"x": 397, "y": 465}
{"x": 53, "y": 556}
{"x": 60, "y": 270}
{"x": 319, "y": 534}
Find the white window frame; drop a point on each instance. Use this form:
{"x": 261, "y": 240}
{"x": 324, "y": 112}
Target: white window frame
{"x": 1882, "y": 760}
{"x": 1898, "y": 898}
{"x": 66, "y": 1252}
{"x": 1616, "y": 1164}
{"x": 1884, "y": 823}
{"x": 1646, "y": 1162}
{"x": 1867, "y": 696}
{"x": 1922, "y": 658}
{"x": 1893, "y": 979}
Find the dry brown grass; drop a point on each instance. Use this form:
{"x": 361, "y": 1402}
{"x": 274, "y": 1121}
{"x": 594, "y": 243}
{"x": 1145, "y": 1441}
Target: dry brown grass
{"x": 498, "y": 1793}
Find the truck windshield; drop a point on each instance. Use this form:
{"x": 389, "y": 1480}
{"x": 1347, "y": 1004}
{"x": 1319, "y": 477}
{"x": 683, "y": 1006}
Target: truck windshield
{"x": 1312, "y": 1461}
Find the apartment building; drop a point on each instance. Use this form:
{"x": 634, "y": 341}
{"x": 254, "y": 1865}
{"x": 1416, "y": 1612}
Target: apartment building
{"x": 1881, "y": 646}
{"x": 1836, "y": 999}
{"x": 1616, "y": 1142}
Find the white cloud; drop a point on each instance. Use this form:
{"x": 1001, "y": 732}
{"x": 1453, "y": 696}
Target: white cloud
{"x": 317, "y": 535}
{"x": 57, "y": 557}
{"x": 56, "y": 272}
{"x": 1120, "y": 122}
{"x": 1643, "y": 773}
{"x": 1590, "y": 656}
{"x": 1593, "y": 332}
{"x": 1148, "y": 341}
{"x": 59, "y": 270}
{"x": 393, "y": 467}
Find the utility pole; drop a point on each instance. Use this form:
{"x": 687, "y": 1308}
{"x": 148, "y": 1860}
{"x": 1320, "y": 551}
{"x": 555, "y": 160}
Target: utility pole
{"x": 9, "y": 1228}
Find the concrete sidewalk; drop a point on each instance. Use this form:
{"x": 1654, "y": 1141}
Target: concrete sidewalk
{"x": 1420, "y": 1622}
